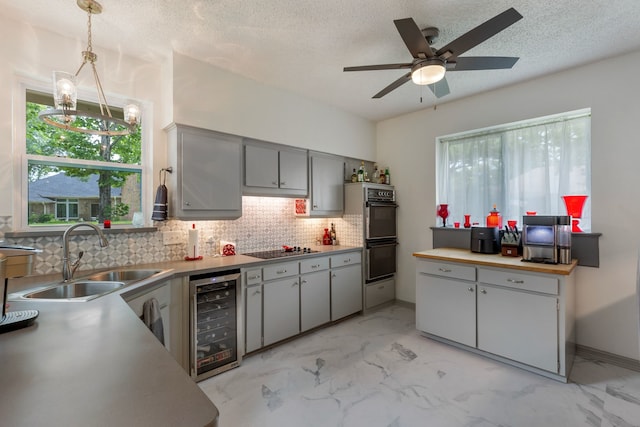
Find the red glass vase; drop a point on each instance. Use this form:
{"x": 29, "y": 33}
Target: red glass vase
{"x": 443, "y": 212}
{"x": 574, "y": 206}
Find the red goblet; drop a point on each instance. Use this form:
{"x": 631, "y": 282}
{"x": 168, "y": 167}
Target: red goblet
{"x": 443, "y": 212}
{"x": 574, "y": 206}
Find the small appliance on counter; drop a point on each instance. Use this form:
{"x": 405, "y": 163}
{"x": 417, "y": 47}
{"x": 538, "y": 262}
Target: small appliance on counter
{"x": 14, "y": 262}
{"x": 485, "y": 240}
{"x": 546, "y": 239}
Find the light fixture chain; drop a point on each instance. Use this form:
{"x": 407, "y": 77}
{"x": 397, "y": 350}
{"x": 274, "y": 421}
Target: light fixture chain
{"x": 89, "y": 41}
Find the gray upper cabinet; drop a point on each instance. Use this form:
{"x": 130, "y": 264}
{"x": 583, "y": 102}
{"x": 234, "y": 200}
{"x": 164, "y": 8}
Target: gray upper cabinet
{"x": 274, "y": 170}
{"x": 327, "y": 184}
{"x": 206, "y": 182}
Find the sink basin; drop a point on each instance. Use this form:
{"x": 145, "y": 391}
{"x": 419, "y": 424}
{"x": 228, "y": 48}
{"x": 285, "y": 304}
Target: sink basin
{"x": 122, "y": 275}
{"x": 82, "y": 290}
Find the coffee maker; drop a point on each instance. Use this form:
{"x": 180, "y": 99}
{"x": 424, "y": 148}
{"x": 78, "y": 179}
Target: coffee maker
{"x": 546, "y": 239}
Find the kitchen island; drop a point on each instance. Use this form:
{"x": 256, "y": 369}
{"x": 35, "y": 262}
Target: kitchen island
{"x": 95, "y": 363}
{"x": 521, "y": 313}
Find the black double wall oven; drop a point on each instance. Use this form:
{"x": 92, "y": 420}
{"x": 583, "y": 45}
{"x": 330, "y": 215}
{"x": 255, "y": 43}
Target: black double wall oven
{"x": 381, "y": 237}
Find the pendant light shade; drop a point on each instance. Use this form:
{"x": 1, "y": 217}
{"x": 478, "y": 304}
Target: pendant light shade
{"x": 65, "y": 96}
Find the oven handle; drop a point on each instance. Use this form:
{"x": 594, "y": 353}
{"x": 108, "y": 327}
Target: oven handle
{"x": 372, "y": 244}
{"x": 382, "y": 204}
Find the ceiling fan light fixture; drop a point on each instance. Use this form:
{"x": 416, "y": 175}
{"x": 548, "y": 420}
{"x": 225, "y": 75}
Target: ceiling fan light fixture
{"x": 428, "y": 72}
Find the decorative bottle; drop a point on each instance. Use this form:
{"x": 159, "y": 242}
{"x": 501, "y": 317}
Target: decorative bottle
{"x": 494, "y": 219}
{"x": 387, "y": 176}
{"x": 361, "y": 173}
{"x": 332, "y": 234}
{"x": 354, "y": 176}
{"x": 326, "y": 238}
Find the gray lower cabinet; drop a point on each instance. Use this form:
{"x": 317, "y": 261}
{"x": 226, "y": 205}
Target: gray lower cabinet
{"x": 315, "y": 293}
{"x": 523, "y": 318}
{"x": 346, "y": 284}
{"x": 447, "y": 308}
{"x": 253, "y": 318}
{"x": 284, "y": 299}
{"x": 206, "y": 182}
{"x": 281, "y": 310}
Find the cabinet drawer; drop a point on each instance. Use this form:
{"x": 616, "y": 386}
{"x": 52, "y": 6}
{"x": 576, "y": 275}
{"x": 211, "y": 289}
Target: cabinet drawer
{"x": 278, "y": 271}
{"x": 253, "y": 277}
{"x": 314, "y": 264}
{"x": 346, "y": 259}
{"x": 445, "y": 269}
{"x": 518, "y": 280}
{"x": 380, "y": 292}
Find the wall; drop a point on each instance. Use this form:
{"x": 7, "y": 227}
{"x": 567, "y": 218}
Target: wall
{"x": 606, "y": 301}
{"x": 211, "y": 98}
{"x": 266, "y": 223}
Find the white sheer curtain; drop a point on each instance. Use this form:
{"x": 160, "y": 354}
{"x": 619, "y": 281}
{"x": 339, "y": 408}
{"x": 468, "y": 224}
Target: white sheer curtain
{"x": 520, "y": 167}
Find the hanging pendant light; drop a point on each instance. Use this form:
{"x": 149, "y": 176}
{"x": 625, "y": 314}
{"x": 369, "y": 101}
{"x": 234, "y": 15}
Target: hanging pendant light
{"x": 65, "y": 113}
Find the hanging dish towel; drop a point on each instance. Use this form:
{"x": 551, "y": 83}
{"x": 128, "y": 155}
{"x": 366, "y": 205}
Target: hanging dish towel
{"x": 160, "y": 204}
{"x": 152, "y": 318}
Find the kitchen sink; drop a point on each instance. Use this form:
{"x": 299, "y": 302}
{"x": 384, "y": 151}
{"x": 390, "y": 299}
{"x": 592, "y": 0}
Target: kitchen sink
{"x": 122, "y": 275}
{"x": 81, "y": 290}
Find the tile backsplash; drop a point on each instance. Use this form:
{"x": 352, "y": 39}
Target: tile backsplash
{"x": 266, "y": 223}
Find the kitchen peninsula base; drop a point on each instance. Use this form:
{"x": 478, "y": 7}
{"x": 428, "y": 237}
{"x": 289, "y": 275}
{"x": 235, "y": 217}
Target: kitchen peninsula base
{"x": 515, "y": 312}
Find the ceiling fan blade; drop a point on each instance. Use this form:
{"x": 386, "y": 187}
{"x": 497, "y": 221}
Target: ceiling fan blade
{"x": 479, "y": 34}
{"x": 468, "y": 63}
{"x": 440, "y": 88}
{"x": 378, "y": 67}
{"x": 402, "y": 80}
{"x": 413, "y": 38}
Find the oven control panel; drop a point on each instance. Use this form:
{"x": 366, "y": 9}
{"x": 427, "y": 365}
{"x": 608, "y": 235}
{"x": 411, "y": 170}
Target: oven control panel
{"x": 378, "y": 195}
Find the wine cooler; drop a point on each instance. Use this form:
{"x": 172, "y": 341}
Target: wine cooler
{"x": 214, "y": 343}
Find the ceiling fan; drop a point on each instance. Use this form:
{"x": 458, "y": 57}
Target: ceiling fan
{"x": 428, "y": 66}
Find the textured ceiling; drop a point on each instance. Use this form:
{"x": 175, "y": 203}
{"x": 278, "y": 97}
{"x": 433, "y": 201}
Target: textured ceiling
{"x": 302, "y": 45}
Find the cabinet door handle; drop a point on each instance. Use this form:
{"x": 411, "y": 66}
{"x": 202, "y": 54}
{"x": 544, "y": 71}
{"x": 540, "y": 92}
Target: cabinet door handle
{"x": 470, "y": 289}
{"x": 274, "y": 182}
{"x": 334, "y": 275}
{"x": 444, "y": 270}
{"x": 347, "y": 260}
{"x": 315, "y": 266}
{"x": 518, "y": 281}
{"x": 294, "y": 284}
{"x": 315, "y": 206}
{"x": 281, "y": 271}
{"x": 283, "y": 183}
{"x": 187, "y": 203}
{"x": 304, "y": 281}
{"x": 483, "y": 291}
{"x": 256, "y": 292}
{"x": 253, "y": 277}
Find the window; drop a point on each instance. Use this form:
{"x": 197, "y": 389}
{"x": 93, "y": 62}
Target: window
{"x": 73, "y": 177}
{"x": 519, "y": 167}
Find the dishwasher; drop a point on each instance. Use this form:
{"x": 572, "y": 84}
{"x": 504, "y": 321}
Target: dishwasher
{"x": 214, "y": 312}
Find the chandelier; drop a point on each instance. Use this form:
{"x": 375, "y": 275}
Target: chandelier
{"x": 65, "y": 115}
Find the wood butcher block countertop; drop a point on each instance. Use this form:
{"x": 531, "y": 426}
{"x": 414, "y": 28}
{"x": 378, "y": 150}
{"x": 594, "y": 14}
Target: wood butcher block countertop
{"x": 467, "y": 257}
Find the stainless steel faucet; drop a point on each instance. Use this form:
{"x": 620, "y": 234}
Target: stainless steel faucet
{"x": 67, "y": 268}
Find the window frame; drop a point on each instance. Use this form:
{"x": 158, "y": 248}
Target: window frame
{"x": 20, "y": 157}
{"x": 500, "y": 129}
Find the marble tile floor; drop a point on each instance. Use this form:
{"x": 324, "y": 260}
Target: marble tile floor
{"x": 377, "y": 370}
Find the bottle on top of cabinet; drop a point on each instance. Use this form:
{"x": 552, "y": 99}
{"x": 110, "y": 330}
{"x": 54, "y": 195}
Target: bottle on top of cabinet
{"x": 387, "y": 176}
{"x": 361, "y": 172}
{"x": 354, "y": 176}
{"x": 376, "y": 174}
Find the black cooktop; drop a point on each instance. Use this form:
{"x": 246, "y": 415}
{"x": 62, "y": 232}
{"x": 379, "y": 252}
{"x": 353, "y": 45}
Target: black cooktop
{"x": 280, "y": 253}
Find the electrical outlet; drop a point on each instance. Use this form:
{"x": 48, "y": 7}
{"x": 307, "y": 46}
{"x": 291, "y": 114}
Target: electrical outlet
{"x": 171, "y": 238}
